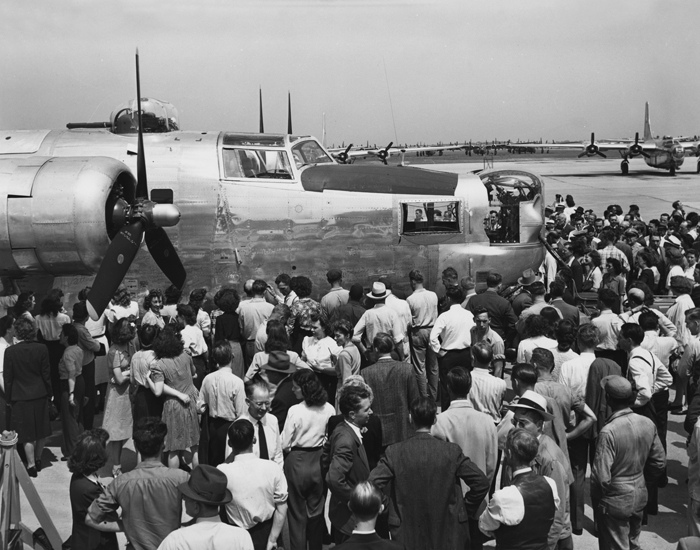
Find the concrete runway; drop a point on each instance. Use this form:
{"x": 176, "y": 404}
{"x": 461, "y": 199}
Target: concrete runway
{"x": 594, "y": 183}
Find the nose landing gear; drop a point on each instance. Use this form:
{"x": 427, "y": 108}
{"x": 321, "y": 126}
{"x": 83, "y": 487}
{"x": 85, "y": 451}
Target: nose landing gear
{"x": 625, "y": 167}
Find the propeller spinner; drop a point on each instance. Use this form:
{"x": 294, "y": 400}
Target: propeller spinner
{"x": 636, "y": 149}
{"x": 383, "y": 154}
{"x": 592, "y": 149}
{"x": 142, "y": 217}
{"x": 343, "y": 156}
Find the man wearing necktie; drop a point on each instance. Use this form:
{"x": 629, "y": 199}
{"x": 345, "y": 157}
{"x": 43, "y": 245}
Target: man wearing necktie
{"x": 345, "y": 459}
{"x": 268, "y": 443}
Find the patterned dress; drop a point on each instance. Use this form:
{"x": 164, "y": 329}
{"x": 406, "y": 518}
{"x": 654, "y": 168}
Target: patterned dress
{"x": 181, "y": 419}
{"x": 118, "y": 420}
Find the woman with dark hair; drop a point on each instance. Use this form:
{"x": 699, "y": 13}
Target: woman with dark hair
{"x": 302, "y": 441}
{"x": 144, "y": 402}
{"x": 228, "y": 329}
{"x": 615, "y": 281}
{"x": 565, "y": 334}
{"x": 118, "y": 420}
{"x": 86, "y": 459}
{"x": 48, "y": 323}
{"x": 592, "y": 275}
{"x": 25, "y": 304}
{"x": 152, "y": 303}
{"x": 277, "y": 340}
{"x": 197, "y": 297}
{"x": 223, "y": 399}
{"x": 193, "y": 341}
{"x": 172, "y": 376}
{"x": 100, "y": 371}
{"x": 122, "y": 307}
{"x": 536, "y": 330}
{"x": 72, "y": 387}
{"x": 319, "y": 351}
{"x": 302, "y": 310}
{"x": 28, "y": 388}
{"x": 172, "y": 298}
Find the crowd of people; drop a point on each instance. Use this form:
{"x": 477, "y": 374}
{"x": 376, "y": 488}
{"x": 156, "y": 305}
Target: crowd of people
{"x": 253, "y": 409}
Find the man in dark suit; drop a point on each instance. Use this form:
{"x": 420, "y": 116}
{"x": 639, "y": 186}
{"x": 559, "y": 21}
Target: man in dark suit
{"x": 428, "y": 510}
{"x": 366, "y": 504}
{"x": 345, "y": 459}
{"x": 556, "y": 300}
{"x": 395, "y": 387}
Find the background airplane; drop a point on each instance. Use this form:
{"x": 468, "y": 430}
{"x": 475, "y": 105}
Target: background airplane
{"x": 665, "y": 153}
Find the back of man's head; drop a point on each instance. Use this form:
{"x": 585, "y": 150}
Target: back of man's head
{"x": 543, "y": 359}
{"x": 537, "y": 288}
{"x": 521, "y": 446}
{"x": 459, "y": 382}
{"x": 334, "y": 275}
{"x": 241, "y": 434}
{"x": 493, "y": 279}
{"x": 524, "y": 373}
{"x": 588, "y": 336}
{"x": 608, "y": 297}
{"x": 648, "y": 320}
{"x": 632, "y": 331}
{"x": 149, "y": 435}
{"x": 383, "y": 343}
{"x": 356, "y": 292}
{"x": 259, "y": 287}
{"x": 556, "y": 289}
{"x": 455, "y": 294}
{"x": 365, "y": 501}
{"x": 416, "y": 276}
{"x": 482, "y": 354}
{"x": 423, "y": 412}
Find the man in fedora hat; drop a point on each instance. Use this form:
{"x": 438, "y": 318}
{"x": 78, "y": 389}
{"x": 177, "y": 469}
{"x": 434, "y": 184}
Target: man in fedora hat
{"x": 378, "y": 319}
{"x": 204, "y": 494}
{"x": 530, "y": 414}
{"x": 628, "y": 452}
{"x": 524, "y": 299}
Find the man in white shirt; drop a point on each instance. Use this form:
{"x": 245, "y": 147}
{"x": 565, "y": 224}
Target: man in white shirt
{"x": 251, "y": 314}
{"x": 423, "y": 304}
{"x": 268, "y": 443}
{"x": 403, "y": 311}
{"x": 378, "y": 319}
{"x": 450, "y": 339}
{"x": 609, "y": 325}
{"x": 337, "y": 296}
{"x": 487, "y": 391}
{"x": 635, "y": 307}
{"x": 204, "y": 493}
{"x": 258, "y": 489}
{"x": 482, "y": 332}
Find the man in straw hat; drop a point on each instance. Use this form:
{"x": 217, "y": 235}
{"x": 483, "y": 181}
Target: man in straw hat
{"x": 204, "y": 494}
{"x": 378, "y": 319}
{"x": 530, "y": 414}
{"x": 628, "y": 451}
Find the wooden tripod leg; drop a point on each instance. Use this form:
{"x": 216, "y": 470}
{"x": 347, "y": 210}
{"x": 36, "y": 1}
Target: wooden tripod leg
{"x": 34, "y": 500}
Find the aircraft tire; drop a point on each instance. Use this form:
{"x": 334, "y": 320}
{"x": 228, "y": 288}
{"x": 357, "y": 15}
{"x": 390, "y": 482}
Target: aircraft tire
{"x": 672, "y": 171}
{"x": 625, "y": 167}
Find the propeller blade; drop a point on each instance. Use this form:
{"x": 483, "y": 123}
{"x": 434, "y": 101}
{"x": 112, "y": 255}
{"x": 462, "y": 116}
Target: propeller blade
{"x": 601, "y": 154}
{"x": 116, "y": 263}
{"x": 165, "y": 255}
{"x": 289, "y": 112}
{"x": 583, "y": 154}
{"x": 262, "y": 124}
{"x": 142, "y": 184}
{"x": 644, "y": 154}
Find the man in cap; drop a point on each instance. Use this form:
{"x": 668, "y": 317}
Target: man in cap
{"x": 378, "y": 319}
{"x": 257, "y": 487}
{"x": 530, "y": 414}
{"x": 204, "y": 494}
{"x": 628, "y": 451}
{"x": 424, "y": 312}
{"x": 521, "y": 515}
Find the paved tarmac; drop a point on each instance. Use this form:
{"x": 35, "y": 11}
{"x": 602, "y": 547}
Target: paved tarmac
{"x": 594, "y": 183}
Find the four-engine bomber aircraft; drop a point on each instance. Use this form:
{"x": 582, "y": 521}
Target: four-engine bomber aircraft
{"x": 249, "y": 206}
{"x": 666, "y": 153}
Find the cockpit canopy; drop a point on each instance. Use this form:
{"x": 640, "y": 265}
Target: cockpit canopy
{"x": 157, "y": 117}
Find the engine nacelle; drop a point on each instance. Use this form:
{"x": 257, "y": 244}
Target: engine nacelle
{"x": 56, "y": 212}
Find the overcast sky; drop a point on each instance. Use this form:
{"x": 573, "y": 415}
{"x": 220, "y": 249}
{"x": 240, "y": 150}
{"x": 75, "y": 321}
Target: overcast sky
{"x": 452, "y": 70}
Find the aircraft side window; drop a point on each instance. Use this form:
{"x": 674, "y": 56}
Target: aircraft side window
{"x": 253, "y": 163}
{"x": 309, "y": 152}
{"x": 430, "y": 217}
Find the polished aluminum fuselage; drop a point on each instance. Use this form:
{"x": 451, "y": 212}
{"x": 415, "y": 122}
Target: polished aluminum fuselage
{"x": 235, "y": 229}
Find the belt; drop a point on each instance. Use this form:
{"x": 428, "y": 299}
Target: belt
{"x": 419, "y": 328}
{"x": 306, "y": 449}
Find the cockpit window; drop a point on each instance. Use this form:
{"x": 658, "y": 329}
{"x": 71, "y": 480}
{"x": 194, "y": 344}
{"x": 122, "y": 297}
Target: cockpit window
{"x": 430, "y": 217}
{"x": 309, "y": 152}
{"x": 255, "y": 163}
{"x": 157, "y": 117}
